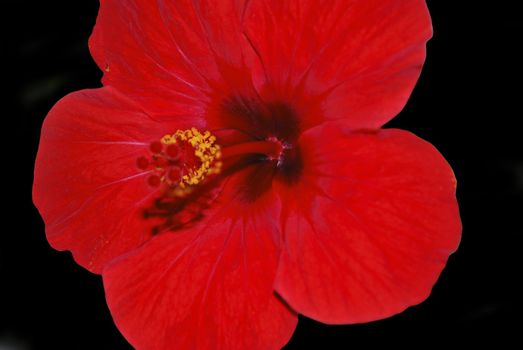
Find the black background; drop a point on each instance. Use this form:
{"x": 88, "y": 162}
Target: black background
{"x": 467, "y": 103}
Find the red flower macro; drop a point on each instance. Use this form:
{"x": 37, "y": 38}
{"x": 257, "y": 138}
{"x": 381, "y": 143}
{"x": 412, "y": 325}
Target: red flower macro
{"x": 232, "y": 172}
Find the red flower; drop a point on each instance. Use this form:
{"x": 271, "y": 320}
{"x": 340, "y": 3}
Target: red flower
{"x": 295, "y": 201}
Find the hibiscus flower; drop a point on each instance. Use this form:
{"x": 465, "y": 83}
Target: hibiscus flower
{"x": 232, "y": 172}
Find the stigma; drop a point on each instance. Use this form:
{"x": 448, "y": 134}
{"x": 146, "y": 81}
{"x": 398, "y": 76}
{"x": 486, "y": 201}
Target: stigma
{"x": 182, "y": 159}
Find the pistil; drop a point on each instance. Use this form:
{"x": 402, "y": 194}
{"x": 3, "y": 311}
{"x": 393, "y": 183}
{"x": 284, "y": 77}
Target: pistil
{"x": 271, "y": 148}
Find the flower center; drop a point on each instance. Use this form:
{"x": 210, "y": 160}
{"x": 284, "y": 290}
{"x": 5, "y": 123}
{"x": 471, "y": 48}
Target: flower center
{"x": 273, "y": 125}
{"x": 258, "y": 142}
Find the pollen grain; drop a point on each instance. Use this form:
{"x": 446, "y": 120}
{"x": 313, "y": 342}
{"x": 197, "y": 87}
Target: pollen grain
{"x": 205, "y": 150}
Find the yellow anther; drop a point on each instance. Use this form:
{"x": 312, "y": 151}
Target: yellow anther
{"x": 205, "y": 149}
{"x": 168, "y": 139}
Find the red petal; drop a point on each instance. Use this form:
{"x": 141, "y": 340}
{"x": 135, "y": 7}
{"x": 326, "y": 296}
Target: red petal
{"x": 210, "y": 287}
{"x": 208, "y": 32}
{"x": 170, "y": 56}
{"x": 87, "y": 184}
{"x": 139, "y": 57}
{"x": 361, "y": 57}
{"x": 370, "y": 226}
